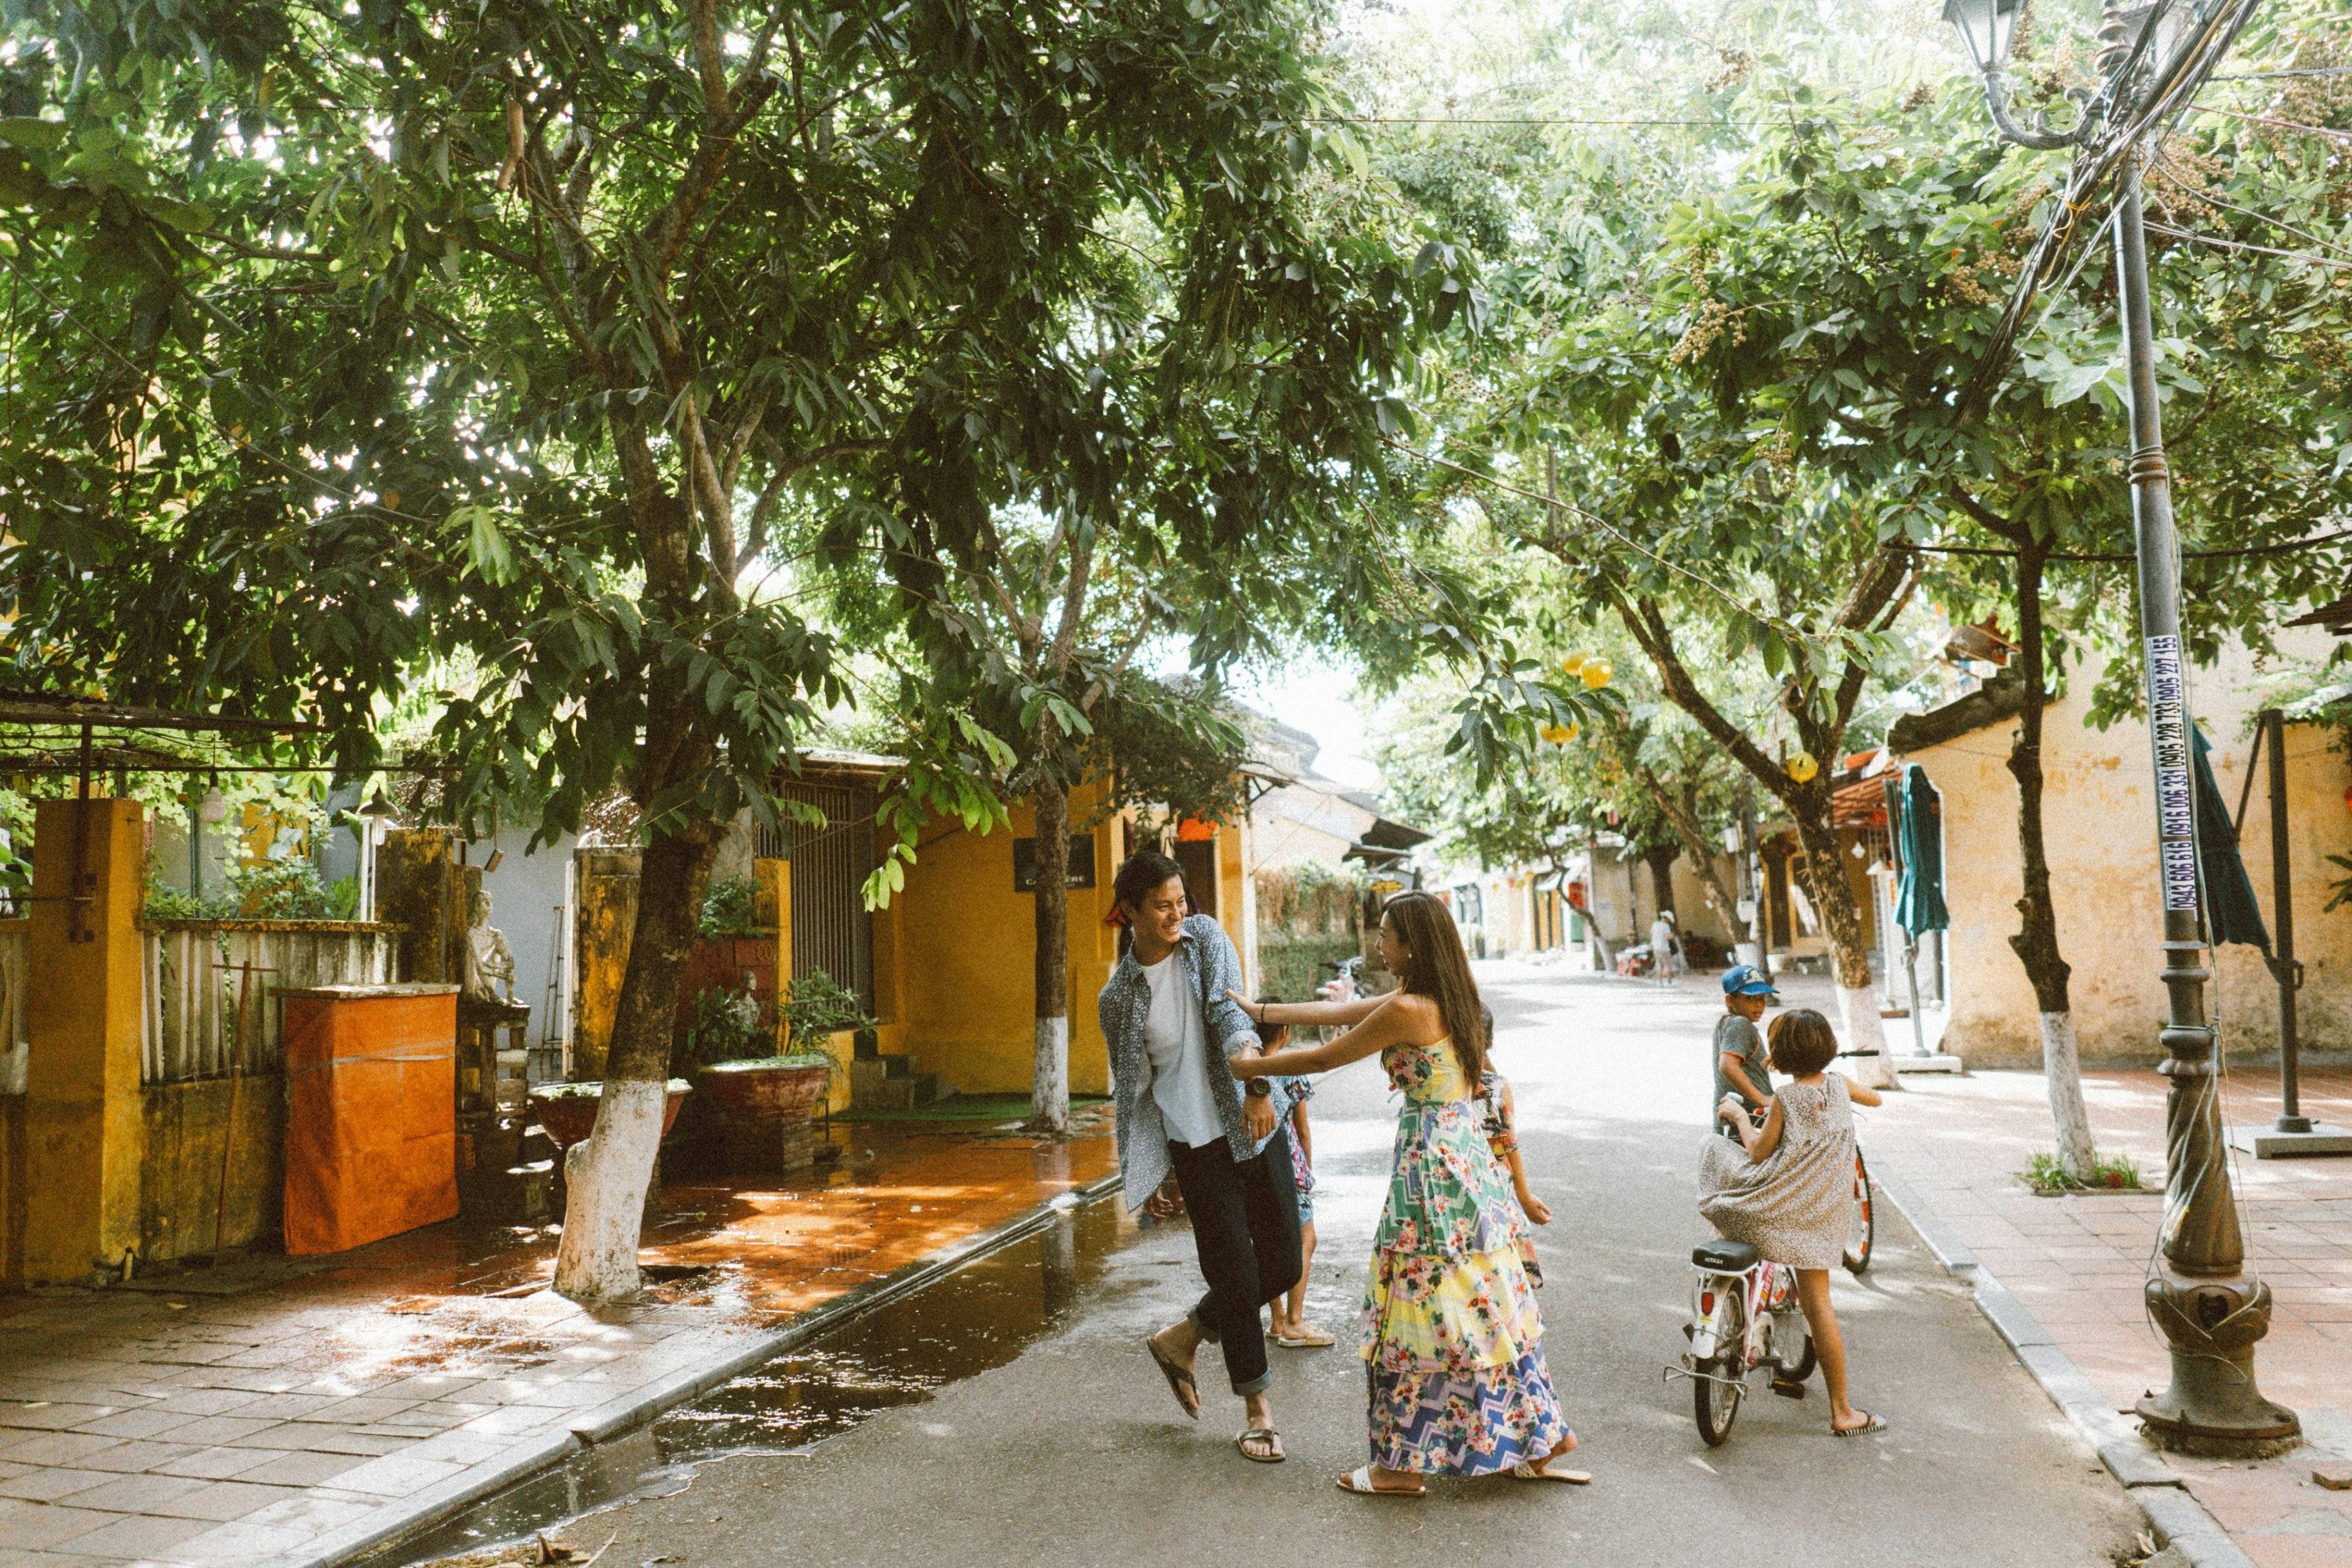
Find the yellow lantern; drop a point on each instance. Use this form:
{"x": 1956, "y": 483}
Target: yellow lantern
{"x": 1560, "y": 734}
{"x": 1801, "y": 767}
{"x": 1596, "y": 673}
{"x": 1572, "y": 663}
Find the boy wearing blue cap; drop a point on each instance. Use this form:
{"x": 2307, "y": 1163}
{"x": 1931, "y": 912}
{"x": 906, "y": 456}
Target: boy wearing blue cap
{"x": 1740, "y": 1059}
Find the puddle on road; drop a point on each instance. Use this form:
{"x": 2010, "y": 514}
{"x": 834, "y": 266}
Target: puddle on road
{"x": 981, "y": 1316}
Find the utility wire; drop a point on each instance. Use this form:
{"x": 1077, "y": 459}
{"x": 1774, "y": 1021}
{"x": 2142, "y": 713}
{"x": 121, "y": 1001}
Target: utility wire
{"x": 2193, "y": 236}
{"x": 1518, "y": 120}
{"x": 2329, "y": 131}
{"x": 2125, "y": 557}
{"x": 1745, "y": 607}
{"x": 2201, "y": 198}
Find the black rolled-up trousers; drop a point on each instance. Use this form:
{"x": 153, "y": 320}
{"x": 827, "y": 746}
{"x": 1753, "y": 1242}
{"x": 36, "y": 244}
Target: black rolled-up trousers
{"x": 1244, "y": 1216}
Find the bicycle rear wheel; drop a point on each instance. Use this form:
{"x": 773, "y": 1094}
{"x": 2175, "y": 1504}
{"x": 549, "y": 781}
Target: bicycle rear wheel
{"x": 1861, "y": 1228}
{"x": 1715, "y": 1393}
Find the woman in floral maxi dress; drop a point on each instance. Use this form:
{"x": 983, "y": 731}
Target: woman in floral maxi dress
{"x": 1452, "y": 1339}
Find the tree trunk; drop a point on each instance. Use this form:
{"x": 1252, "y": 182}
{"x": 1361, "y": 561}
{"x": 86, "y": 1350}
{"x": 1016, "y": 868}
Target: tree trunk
{"x": 1857, "y": 999}
{"x": 1049, "y": 1093}
{"x": 2036, "y": 941}
{"x": 606, "y": 1177}
{"x": 1661, "y": 858}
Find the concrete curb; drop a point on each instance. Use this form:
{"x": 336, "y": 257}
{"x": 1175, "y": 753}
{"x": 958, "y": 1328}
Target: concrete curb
{"x": 2178, "y": 1520}
{"x": 421, "y": 1510}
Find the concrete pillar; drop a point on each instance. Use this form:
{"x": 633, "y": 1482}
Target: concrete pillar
{"x": 84, "y": 1135}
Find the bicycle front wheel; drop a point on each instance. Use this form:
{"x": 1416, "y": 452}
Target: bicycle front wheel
{"x": 1861, "y": 1228}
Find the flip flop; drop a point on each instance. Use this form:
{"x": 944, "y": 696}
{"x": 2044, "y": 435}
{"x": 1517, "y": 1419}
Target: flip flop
{"x": 1179, "y": 1381}
{"x": 1313, "y": 1338}
{"x": 1266, "y": 1434}
{"x": 1527, "y": 1471}
{"x": 1360, "y": 1481}
{"x": 1873, "y": 1425}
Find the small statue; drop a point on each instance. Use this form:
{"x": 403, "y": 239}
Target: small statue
{"x": 489, "y": 962}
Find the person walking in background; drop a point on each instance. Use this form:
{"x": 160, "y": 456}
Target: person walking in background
{"x": 1787, "y": 1188}
{"x": 1170, "y": 1025}
{"x": 1664, "y": 953}
{"x": 1451, "y": 1335}
{"x": 1739, "y": 1065}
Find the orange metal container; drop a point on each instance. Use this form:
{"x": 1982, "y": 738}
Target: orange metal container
{"x": 371, "y": 1112}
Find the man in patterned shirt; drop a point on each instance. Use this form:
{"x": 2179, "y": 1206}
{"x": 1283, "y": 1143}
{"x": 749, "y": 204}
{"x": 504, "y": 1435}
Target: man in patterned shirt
{"x": 1169, "y": 1025}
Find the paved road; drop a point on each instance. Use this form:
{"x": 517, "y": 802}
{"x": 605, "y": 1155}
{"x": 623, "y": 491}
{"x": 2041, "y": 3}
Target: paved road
{"x": 1075, "y": 1454}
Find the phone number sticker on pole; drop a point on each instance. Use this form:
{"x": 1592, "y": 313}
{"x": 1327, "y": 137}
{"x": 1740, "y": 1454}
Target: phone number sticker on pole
{"x": 2167, "y": 728}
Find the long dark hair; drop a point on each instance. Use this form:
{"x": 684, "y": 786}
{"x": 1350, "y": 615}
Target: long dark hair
{"x": 1436, "y": 967}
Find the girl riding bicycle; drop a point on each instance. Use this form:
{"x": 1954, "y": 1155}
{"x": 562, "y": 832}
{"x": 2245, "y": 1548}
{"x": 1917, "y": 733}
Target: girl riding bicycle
{"x": 1787, "y": 1188}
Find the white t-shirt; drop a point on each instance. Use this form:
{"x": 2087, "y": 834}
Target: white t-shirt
{"x": 1179, "y": 1048}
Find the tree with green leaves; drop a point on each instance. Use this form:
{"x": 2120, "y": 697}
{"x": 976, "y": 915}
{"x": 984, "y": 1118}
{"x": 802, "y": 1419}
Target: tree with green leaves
{"x": 348, "y": 341}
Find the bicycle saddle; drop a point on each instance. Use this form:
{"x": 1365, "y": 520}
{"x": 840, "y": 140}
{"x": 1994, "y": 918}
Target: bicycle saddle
{"x": 1725, "y": 1257}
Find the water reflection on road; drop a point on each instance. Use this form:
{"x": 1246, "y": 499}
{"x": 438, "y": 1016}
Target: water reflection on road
{"x": 980, "y": 1316}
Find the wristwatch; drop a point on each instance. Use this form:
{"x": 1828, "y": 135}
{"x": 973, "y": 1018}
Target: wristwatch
{"x": 1258, "y": 1089}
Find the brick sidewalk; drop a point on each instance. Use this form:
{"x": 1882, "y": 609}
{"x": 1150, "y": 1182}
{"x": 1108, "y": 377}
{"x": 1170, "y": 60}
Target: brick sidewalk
{"x": 286, "y": 1412}
{"x": 2077, "y": 1264}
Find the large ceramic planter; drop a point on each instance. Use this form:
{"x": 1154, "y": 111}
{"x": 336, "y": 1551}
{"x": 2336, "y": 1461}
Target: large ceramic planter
{"x": 567, "y": 1112}
{"x": 767, "y": 1107}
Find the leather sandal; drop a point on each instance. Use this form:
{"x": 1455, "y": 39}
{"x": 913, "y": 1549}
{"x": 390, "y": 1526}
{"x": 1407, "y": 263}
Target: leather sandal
{"x": 1179, "y": 1381}
{"x": 1267, "y": 1436}
{"x": 1360, "y": 1481}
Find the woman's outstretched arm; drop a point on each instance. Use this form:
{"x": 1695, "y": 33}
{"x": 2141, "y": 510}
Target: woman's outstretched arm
{"x": 1307, "y": 1014}
{"x": 1392, "y": 1023}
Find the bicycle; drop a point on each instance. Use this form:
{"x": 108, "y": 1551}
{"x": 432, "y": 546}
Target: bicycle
{"x": 1744, "y": 1313}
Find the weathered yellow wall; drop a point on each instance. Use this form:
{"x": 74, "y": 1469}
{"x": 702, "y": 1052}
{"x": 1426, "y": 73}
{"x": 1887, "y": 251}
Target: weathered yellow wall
{"x": 2101, "y": 827}
{"x": 180, "y": 1185}
{"x": 83, "y": 1132}
{"x": 603, "y": 921}
{"x": 963, "y": 964}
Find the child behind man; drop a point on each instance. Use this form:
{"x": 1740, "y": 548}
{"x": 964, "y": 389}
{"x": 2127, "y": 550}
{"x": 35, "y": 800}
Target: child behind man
{"x": 1291, "y": 1330}
{"x": 1502, "y": 1137}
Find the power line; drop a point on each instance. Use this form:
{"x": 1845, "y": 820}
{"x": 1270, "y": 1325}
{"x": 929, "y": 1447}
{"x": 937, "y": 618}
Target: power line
{"x": 2193, "y": 236}
{"x": 2126, "y": 557}
{"x": 2276, "y": 75}
{"x": 2328, "y": 131}
{"x": 1516, "y": 119}
{"x": 2202, "y": 198}
{"x": 1745, "y": 607}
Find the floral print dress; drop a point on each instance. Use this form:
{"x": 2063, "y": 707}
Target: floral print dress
{"x": 1452, "y": 1340}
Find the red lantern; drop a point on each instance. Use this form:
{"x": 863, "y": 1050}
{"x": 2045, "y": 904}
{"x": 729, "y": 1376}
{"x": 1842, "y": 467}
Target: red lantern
{"x": 1192, "y": 830}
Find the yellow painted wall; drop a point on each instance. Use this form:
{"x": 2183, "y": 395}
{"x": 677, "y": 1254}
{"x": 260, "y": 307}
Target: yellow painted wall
{"x": 963, "y": 961}
{"x": 2101, "y": 825}
{"x": 83, "y": 1132}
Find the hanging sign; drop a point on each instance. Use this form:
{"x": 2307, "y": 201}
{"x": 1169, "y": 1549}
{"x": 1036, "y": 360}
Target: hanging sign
{"x": 2168, "y": 725}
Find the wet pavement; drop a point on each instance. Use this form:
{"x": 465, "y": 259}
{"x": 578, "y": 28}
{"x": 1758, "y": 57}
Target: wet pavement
{"x": 981, "y": 1316}
{"x": 288, "y": 1411}
{"x": 1072, "y": 1453}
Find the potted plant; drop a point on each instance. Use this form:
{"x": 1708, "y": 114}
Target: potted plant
{"x": 567, "y": 1112}
{"x": 767, "y": 1102}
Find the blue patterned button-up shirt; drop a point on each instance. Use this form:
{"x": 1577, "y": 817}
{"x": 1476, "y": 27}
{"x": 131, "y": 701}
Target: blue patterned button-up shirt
{"x": 1210, "y": 967}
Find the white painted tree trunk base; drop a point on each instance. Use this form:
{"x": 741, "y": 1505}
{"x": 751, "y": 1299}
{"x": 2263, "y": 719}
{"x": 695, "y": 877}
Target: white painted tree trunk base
{"x": 1858, "y": 1022}
{"x": 1049, "y": 1095}
{"x": 605, "y": 1180}
{"x": 2061, "y": 1072}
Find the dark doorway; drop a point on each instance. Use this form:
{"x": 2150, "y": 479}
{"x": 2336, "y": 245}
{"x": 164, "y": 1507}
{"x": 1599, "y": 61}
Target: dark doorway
{"x": 1199, "y": 859}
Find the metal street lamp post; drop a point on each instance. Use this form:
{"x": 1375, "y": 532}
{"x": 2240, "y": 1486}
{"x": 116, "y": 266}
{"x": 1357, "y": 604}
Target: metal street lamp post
{"x": 2212, "y": 1314}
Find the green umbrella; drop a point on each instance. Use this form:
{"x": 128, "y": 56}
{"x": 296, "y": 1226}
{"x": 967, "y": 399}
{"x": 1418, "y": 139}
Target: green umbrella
{"x": 2229, "y": 905}
{"x": 1919, "y": 900}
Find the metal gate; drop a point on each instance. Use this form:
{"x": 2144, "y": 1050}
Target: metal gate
{"x": 832, "y": 932}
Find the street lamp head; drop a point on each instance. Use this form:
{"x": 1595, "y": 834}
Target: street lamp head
{"x": 1985, "y": 27}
